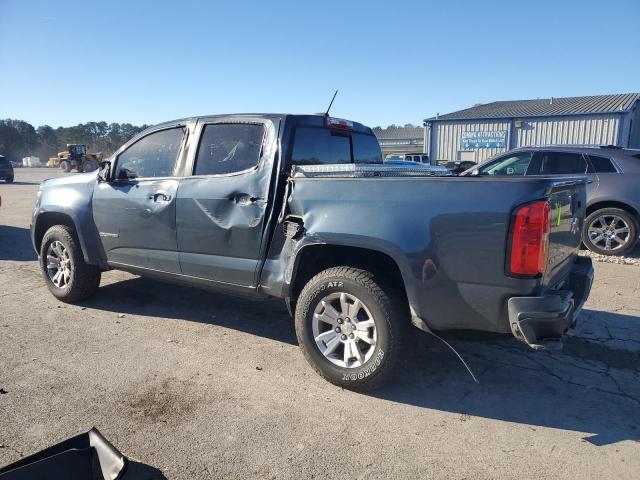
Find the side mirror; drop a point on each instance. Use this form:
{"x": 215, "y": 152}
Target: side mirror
{"x": 104, "y": 171}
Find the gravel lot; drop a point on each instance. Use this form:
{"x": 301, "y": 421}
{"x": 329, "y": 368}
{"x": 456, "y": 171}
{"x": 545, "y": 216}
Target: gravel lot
{"x": 192, "y": 384}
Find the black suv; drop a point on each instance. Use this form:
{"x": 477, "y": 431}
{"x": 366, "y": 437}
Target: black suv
{"x": 613, "y": 196}
{"x": 6, "y": 170}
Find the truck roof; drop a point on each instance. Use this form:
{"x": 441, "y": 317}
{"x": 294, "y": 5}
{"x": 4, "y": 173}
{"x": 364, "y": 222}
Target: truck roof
{"x": 316, "y": 120}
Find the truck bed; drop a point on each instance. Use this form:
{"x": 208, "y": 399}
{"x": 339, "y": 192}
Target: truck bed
{"x": 448, "y": 235}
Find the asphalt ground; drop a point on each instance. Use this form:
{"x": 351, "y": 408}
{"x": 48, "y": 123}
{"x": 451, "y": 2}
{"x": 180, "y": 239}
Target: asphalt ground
{"x": 193, "y": 384}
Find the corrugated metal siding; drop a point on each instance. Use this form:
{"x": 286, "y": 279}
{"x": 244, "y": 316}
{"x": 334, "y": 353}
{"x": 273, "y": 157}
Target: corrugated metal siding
{"x": 448, "y": 135}
{"x": 582, "y": 130}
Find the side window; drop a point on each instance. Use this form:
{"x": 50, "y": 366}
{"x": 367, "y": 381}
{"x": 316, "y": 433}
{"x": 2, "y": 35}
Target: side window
{"x": 228, "y": 148}
{"x": 516, "y": 164}
{"x": 366, "y": 148}
{"x": 562, "y": 163}
{"x": 602, "y": 164}
{"x": 151, "y": 156}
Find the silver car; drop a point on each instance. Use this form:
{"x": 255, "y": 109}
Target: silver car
{"x": 613, "y": 196}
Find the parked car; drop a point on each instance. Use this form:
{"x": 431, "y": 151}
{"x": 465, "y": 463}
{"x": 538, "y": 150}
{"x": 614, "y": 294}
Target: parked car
{"x": 613, "y": 196}
{"x": 6, "y": 170}
{"x": 409, "y": 157}
{"x": 273, "y": 205}
{"x": 456, "y": 167}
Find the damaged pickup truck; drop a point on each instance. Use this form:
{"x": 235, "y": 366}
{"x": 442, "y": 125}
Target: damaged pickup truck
{"x": 301, "y": 207}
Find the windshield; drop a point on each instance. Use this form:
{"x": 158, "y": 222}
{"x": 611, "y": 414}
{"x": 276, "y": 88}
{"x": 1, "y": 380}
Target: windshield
{"x": 516, "y": 164}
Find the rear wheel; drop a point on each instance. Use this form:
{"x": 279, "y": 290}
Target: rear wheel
{"x": 349, "y": 328}
{"x": 65, "y": 272}
{"x": 65, "y": 166}
{"x": 9, "y": 179}
{"x": 610, "y": 231}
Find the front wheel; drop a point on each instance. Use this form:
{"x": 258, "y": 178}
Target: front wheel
{"x": 610, "y": 231}
{"x": 65, "y": 272}
{"x": 349, "y": 328}
{"x": 9, "y": 179}
{"x": 65, "y": 166}
{"x": 89, "y": 166}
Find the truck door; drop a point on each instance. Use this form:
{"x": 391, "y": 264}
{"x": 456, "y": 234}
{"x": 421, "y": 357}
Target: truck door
{"x": 222, "y": 207}
{"x": 135, "y": 212}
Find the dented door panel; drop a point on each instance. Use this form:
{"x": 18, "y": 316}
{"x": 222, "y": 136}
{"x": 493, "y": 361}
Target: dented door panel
{"x": 221, "y": 218}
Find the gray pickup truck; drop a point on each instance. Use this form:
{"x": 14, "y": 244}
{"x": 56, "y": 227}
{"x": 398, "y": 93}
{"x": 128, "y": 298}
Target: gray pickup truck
{"x": 301, "y": 207}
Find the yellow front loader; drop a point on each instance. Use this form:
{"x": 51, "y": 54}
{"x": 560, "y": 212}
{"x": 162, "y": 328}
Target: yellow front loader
{"x": 76, "y": 157}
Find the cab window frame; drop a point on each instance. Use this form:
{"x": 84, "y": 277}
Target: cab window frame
{"x": 127, "y": 146}
{"x": 198, "y": 137}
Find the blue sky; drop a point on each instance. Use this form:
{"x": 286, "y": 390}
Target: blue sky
{"x": 67, "y": 62}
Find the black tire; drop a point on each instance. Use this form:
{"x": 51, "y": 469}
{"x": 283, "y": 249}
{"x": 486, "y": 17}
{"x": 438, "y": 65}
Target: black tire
{"x": 85, "y": 278}
{"x": 65, "y": 166}
{"x": 384, "y": 307}
{"x": 89, "y": 166}
{"x": 598, "y": 247}
{"x": 9, "y": 180}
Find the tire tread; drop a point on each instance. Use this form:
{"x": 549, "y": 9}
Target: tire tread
{"x": 387, "y": 302}
{"x": 86, "y": 278}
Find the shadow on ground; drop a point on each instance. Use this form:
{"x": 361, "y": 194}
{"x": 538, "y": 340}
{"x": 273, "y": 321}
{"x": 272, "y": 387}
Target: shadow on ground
{"x": 140, "y": 296}
{"x": 587, "y": 387}
{"x": 15, "y": 244}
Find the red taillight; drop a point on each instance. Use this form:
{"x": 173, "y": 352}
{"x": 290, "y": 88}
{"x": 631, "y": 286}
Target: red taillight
{"x": 530, "y": 239}
{"x": 338, "y": 123}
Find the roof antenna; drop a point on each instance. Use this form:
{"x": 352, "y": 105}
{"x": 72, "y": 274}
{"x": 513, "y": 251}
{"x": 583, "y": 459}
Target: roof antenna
{"x": 326, "y": 114}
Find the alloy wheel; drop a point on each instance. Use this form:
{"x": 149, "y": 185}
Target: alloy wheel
{"x": 344, "y": 330}
{"x": 609, "y": 232}
{"x": 58, "y": 264}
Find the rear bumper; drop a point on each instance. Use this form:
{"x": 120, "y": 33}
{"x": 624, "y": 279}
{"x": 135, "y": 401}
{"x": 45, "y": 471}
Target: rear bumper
{"x": 534, "y": 319}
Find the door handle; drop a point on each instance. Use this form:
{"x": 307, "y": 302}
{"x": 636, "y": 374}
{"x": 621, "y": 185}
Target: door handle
{"x": 160, "y": 197}
{"x": 245, "y": 199}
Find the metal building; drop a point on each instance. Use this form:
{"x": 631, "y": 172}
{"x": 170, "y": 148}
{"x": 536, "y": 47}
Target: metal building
{"x": 400, "y": 140}
{"x": 482, "y": 131}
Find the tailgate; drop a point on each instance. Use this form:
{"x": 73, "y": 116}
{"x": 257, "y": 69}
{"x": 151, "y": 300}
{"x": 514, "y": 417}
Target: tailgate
{"x": 568, "y": 206}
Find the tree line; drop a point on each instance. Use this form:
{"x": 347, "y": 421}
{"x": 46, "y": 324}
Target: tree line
{"x": 393, "y": 126}
{"x": 20, "y": 139}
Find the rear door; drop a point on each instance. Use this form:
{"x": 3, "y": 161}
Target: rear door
{"x": 222, "y": 206}
{"x": 564, "y": 164}
{"x": 135, "y": 212}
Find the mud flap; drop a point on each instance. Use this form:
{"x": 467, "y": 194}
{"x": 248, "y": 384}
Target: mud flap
{"x": 88, "y": 456}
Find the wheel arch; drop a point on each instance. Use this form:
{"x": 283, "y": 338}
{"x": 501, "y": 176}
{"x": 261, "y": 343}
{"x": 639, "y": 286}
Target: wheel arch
{"x": 314, "y": 258}
{"x": 601, "y": 204}
{"x": 46, "y": 220}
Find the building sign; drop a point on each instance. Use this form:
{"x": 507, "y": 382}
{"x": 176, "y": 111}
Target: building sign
{"x": 490, "y": 139}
